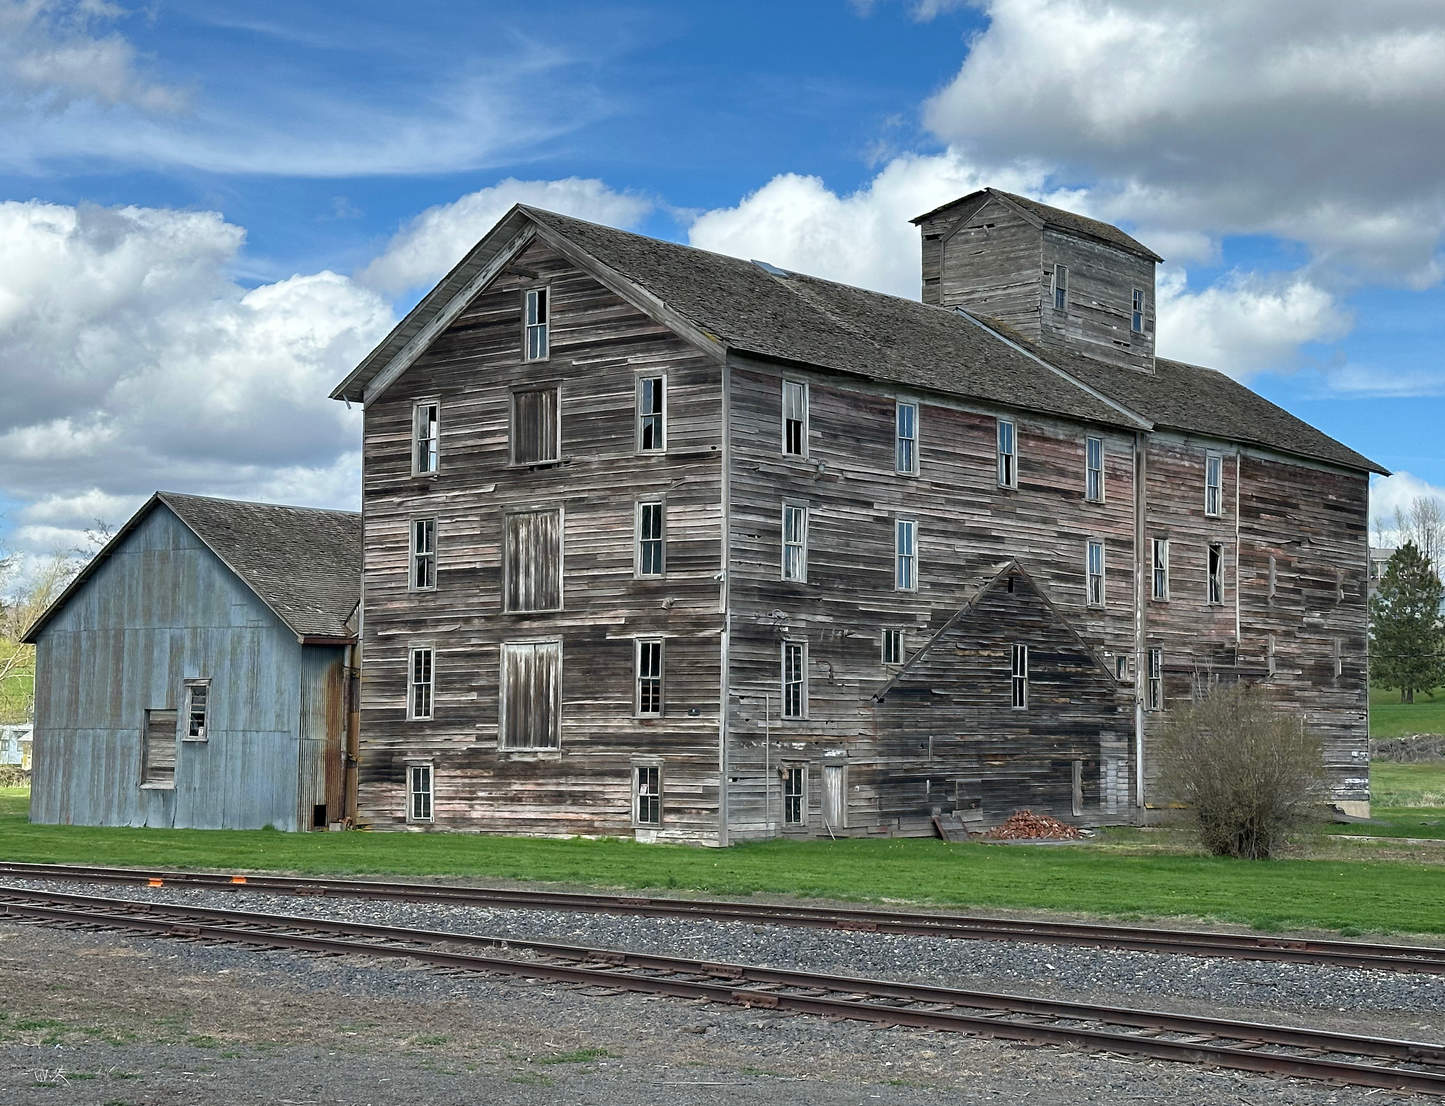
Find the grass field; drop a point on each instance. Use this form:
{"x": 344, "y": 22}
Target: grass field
{"x": 1391, "y": 718}
{"x": 1124, "y": 879}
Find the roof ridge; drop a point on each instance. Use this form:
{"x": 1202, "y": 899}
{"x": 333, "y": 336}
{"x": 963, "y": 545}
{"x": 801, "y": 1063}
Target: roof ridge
{"x": 258, "y": 503}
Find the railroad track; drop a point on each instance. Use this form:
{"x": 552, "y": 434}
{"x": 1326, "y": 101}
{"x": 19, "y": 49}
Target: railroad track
{"x": 1345, "y": 954}
{"x": 1281, "y": 1050}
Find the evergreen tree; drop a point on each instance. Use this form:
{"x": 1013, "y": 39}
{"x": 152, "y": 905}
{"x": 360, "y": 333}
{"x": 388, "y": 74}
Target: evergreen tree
{"x": 1407, "y": 645}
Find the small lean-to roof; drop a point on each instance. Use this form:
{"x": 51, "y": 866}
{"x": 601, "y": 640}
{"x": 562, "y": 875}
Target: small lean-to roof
{"x": 1056, "y": 217}
{"x": 302, "y": 562}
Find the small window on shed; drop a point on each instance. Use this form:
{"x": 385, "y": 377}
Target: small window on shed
{"x": 534, "y": 560}
{"x": 419, "y": 792}
{"x": 1061, "y": 287}
{"x": 531, "y": 693}
{"x": 651, "y": 414}
{"x": 198, "y": 710}
{"x": 1019, "y": 678}
{"x": 158, "y": 767}
{"x": 1136, "y": 314}
{"x": 905, "y": 458}
{"x": 426, "y": 438}
{"x": 1008, "y": 468}
{"x": 423, "y": 554}
{"x": 537, "y": 311}
{"x": 419, "y": 680}
{"x": 536, "y": 429}
{"x": 795, "y": 418}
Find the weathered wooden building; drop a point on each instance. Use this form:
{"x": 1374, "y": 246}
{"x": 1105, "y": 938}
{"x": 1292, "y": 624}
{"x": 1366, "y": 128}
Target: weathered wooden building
{"x": 667, "y": 543}
{"x": 197, "y": 673}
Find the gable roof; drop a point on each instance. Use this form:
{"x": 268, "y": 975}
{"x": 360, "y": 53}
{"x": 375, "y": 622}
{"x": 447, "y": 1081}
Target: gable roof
{"x": 303, "y": 563}
{"x": 1042, "y": 215}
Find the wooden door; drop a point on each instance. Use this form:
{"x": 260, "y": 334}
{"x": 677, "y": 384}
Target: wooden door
{"x": 835, "y": 797}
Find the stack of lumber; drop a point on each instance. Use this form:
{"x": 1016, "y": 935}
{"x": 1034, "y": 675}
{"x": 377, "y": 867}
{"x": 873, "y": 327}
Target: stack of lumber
{"x": 1025, "y": 825}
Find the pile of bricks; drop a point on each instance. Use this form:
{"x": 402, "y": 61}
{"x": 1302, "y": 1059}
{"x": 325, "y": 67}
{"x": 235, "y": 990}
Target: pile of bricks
{"x": 1025, "y": 825}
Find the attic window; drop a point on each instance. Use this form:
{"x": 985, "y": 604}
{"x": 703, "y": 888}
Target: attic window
{"x": 1061, "y": 287}
{"x": 537, "y": 313}
{"x": 1136, "y": 316}
{"x": 1020, "y": 677}
{"x": 795, "y": 418}
{"x": 426, "y": 438}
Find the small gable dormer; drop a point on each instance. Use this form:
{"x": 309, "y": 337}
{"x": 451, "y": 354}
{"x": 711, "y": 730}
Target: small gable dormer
{"x": 1060, "y": 279}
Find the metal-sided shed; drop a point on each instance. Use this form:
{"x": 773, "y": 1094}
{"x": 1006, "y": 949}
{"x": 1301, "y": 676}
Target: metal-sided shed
{"x": 198, "y": 672}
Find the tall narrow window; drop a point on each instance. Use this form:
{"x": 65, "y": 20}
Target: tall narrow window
{"x": 892, "y": 646}
{"x": 1216, "y": 574}
{"x": 795, "y": 542}
{"x": 198, "y": 710}
{"x": 426, "y": 438}
{"x": 1337, "y": 650}
{"x": 1159, "y": 578}
{"x": 795, "y": 679}
{"x": 418, "y": 792}
{"x": 158, "y": 767}
{"x": 1154, "y": 688}
{"x": 1061, "y": 287}
{"x": 419, "y": 681}
{"x": 795, "y": 418}
{"x": 649, "y": 679}
{"x": 1095, "y": 568}
{"x": 1094, "y": 470}
{"x": 1008, "y": 467}
{"x": 795, "y": 780}
{"x": 533, "y": 553}
{"x": 423, "y": 554}
{"x": 536, "y": 428}
{"x": 1213, "y": 484}
{"x": 1136, "y": 313}
{"x": 905, "y": 454}
{"x": 651, "y": 414}
{"x": 905, "y": 555}
{"x": 651, "y": 539}
{"x": 1020, "y": 676}
{"x": 647, "y": 794}
{"x": 537, "y": 317}
{"x": 1269, "y": 656}
{"x": 531, "y": 694}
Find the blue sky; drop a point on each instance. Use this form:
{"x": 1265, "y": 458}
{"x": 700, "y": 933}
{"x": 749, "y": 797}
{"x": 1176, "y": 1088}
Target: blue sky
{"x": 208, "y": 212}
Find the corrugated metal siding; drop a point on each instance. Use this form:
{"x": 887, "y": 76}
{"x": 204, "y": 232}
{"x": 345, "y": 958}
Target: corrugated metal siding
{"x": 163, "y": 609}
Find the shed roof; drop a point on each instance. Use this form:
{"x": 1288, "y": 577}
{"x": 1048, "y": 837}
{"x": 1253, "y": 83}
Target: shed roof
{"x": 1057, "y": 218}
{"x": 302, "y": 562}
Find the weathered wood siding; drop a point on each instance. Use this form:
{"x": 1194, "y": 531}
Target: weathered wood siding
{"x": 161, "y": 609}
{"x": 599, "y": 346}
{"x": 1097, "y": 319}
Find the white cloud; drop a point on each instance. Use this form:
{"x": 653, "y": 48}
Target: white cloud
{"x": 429, "y": 245}
{"x": 1389, "y": 494}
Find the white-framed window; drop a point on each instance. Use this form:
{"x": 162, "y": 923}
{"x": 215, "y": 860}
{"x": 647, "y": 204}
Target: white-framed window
{"x": 1060, "y": 288}
{"x": 423, "y": 554}
{"x": 531, "y": 695}
{"x": 1019, "y": 676}
{"x": 158, "y": 752}
{"x": 1121, "y": 668}
{"x": 536, "y": 426}
{"x": 1337, "y": 651}
{"x": 198, "y": 710}
{"x": 533, "y": 560}
{"x": 795, "y": 418}
{"x": 651, "y": 538}
{"x": 1159, "y": 576}
{"x": 905, "y": 554}
{"x": 1213, "y": 484}
{"x": 647, "y": 795}
{"x": 905, "y": 450}
{"x": 1136, "y": 312}
{"x": 1094, "y": 470}
{"x": 648, "y": 698}
{"x": 1154, "y": 686}
{"x": 426, "y": 438}
{"x": 1215, "y": 594}
{"x": 420, "y": 682}
{"x": 795, "y": 679}
{"x": 1094, "y": 567}
{"x": 1008, "y": 461}
{"x": 651, "y": 414}
{"x": 537, "y": 313}
{"x": 420, "y": 799}
{"x": 795, "y": 542}
{"x": 795, "y": 794}
{"x": 892, "y": 646}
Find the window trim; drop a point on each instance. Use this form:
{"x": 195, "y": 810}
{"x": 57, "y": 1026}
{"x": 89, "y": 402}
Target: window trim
{"x": 1019, "y": 676}
{"x": 1213, "y": 460}
{"x": 542, "y": 293}
{"x": 1154, "y": 678}
{"x": 184, "y": 721}
{"x": 800, "y": 545}
{"x": 556, "y": 457}
{"x": 899, "y": 655}
{"x": 1214, "y": 579}
{"x": 899, "y": 439}
{"x": 412, "y": 818}
{"x": 1089, "y": 574}
{"x": 802, "y": 681}
{"x": 412, "y": 684}
{"x": 435, "y": 452}
{"x": 1090, "y": 470}
{"x": 639, "y": 414}
{"x": 637, "y": 538}
{"x": 413, "y": 553}
{"x": 561, "y": 513}
{"x": 899, "y": 556}
{"x": 1136, "y": 312}
{"x": 1008, "y": 460}
{"x": 502, "y": 746}
{"x": 1059, "y": 287}
{"x": 787, "y": 768}
{"x": 783, "y": 418}
{"x": 636, "y": 767}
{"x": 1159, "y": 570}
{"x": 638, "y": 677}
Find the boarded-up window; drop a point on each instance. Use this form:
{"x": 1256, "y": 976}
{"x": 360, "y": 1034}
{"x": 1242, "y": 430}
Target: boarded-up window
{"x": 419, "y": 677}
{"x": 795, "y": 679}
{"x": 652, "y": 414}
{"x": 534, "y": 560}
{"x": 795, "y": 418}
{"x": 537, "y": 315}
{"x": 423, "y": 554}
{"x": 426, "y": 438}
{"x": 198, "y": 710}
{"x": 535, "y": 430}
{"x": 419, "y": 792}
{"x": 531, "y": 695}
{"x": 159, "y": 766}
{"x": 647, "y": 794}
{"x": 1094, "y": 469}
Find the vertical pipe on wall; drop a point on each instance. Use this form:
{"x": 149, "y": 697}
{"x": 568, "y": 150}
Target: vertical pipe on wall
{"x": 1140, "y": 609}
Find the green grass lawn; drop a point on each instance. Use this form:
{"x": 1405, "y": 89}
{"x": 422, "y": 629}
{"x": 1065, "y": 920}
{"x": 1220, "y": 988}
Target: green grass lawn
{"x": 1121, "y": 880}
{"x": 1419, "y": 784}
{"x": 1391, "y": 718}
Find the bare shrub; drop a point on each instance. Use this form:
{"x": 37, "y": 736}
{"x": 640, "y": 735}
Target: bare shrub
{"x": 1248, "y": 774}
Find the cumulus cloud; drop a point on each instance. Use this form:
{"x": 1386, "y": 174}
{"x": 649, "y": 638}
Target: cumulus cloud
{"x": 429, "y": 245}
{"x": 131, "y": 361}
{"x": 1392, "y": 494}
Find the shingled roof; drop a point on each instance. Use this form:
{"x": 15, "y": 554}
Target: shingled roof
{"x": 302, "y": 562}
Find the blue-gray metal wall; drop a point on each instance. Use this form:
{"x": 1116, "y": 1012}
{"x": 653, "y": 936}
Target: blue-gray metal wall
{"x": 160, "y": 609}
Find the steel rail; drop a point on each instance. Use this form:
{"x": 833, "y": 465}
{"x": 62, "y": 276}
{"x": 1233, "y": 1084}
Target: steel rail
{"x": 1347, "y": 954}
{"x": 1240, "y": 1045}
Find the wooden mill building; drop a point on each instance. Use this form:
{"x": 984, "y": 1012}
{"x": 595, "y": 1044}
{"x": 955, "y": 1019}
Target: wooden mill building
{"x": 667, "y": 543}
{"x": 196, "y": 674}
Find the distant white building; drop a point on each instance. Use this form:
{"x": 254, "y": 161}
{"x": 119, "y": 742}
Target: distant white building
{"x": 15, "y": 744}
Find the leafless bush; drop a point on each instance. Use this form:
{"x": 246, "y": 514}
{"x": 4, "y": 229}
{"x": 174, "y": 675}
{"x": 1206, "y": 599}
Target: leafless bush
{"x": 1408, "y": 750}
{"x": 13, "y": 776}
{"x": 1247, "y": 773}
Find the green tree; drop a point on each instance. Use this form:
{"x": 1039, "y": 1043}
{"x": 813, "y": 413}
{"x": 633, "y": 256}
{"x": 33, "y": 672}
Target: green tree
{"x": 1407, "y": 645}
